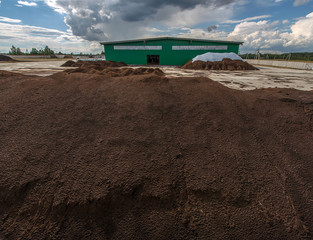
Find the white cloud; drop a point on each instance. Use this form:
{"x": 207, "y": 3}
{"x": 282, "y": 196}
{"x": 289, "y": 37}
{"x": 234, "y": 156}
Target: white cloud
{"x": 300, "y": 2}
{"x": 265, "y": 35}
{"x": 301, "y": 33}
{"x": 263, "y": 38}
{"x": 26, "y": 36}
{"x": 248, "y": 19}
{"x": 303, "y": 27}
{"x": 54, "y": 5}
{"x": 26, "y": 3}
{"x": 200, "y": 33}
{"x": 9, "y": 20}
{"x": 268, "y": 3}
{"x": 252, "y": 27}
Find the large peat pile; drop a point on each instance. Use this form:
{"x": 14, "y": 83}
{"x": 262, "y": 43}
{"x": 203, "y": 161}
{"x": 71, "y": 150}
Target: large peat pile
{"x": 109, "y": 69}
{"x": 91, "y": 156}
{"x": 116, "y": 72}
{"x": 225, "y": 64}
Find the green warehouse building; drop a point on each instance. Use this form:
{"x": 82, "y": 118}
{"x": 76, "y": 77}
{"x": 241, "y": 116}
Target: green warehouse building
{"x": 164, "y": 50}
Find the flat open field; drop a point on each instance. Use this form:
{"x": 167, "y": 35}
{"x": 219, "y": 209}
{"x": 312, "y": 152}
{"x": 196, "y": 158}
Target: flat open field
{"x": 143, "y": 153}
{"x": 267, "y": 77}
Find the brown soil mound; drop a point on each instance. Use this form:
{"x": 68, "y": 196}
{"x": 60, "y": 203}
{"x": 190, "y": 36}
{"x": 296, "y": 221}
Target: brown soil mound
{"x": 226, "y": 64}
{"x": 116, "y": 72}
{"x": 94, "y": 64}
{"x": 69, "y": 63}
{"x": 87, "y": 156}
{"x": 6, "y": 58}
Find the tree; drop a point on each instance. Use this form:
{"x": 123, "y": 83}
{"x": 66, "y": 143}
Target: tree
{"x": 12, "y": 50}
{"x": 48, "y": 51}
{"x": 19, "y": 52}
{"x": 41, "y": 52}
{"x": 34, "y": 51}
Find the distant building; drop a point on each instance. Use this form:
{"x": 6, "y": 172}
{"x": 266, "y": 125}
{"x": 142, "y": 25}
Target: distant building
{"x": 164, "y": 50}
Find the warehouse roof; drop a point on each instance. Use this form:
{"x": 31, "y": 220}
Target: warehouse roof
{"x": 167, "y": 38}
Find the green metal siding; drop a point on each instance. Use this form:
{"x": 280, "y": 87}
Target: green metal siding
{"x": 167, "y": 55}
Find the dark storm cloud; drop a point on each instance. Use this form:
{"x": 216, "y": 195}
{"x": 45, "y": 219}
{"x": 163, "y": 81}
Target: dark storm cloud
{"x": 94, "y": 19}
{"x": 138, "y": 10}
{"x": 211, "y": 28}
{"x": 86, "y": 26}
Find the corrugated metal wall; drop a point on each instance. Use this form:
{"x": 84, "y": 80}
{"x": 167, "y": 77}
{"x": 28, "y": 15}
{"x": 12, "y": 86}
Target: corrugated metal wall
{"x": 136, "y": 52}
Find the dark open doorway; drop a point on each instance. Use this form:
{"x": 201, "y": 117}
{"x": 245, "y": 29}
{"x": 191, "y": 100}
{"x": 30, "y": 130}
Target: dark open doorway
{"x": 153, "y": 59}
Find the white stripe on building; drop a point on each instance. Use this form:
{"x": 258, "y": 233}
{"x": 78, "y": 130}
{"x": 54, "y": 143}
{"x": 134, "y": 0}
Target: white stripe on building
{"x": 137, "y": 47}
{"x": 222, "y": 47}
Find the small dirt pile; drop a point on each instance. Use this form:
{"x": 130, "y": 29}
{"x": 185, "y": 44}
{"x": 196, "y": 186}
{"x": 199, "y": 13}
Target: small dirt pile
{"x": 89, "y": 156}
{"x": 93, "y": 64}
{"x": 226, "y": 64}
{"x": 6, "y": 59}
{"x": 69, "y": 63}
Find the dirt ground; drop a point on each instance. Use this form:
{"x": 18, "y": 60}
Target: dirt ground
{"x": 266, "y": 77}
{"x": 135, "y": 154}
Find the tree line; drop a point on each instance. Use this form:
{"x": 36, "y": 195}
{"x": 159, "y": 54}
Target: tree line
{"x": 300, "y": 56}
{"x": 43, "y": 51}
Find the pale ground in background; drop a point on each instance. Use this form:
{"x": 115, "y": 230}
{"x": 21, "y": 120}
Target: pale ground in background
{"x": 266, "y": 77}
{"x": 42, "y": 68}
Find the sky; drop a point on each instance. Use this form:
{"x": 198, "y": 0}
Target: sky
{"x": 273, "y": 26}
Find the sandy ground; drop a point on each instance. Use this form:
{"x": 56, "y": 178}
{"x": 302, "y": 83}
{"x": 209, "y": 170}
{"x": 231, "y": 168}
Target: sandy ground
{"x": 267, "y": 77}
{"x": 42, "y": 68}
